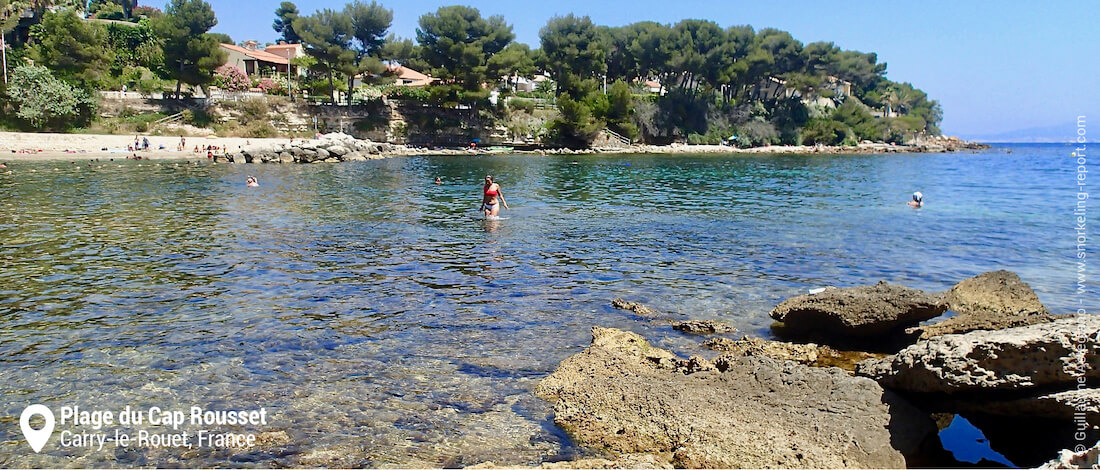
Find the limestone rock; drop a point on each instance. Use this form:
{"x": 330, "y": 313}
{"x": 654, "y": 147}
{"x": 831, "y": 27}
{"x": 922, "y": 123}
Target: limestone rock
{"x": 802, "y": 353}
{"x": 864, "y": 311}
{"x": 1021, "y": 358}
{"x": 759, "y": 413}
{"x": 637, "y": 308}
{"x": 703, "y": 327}
{"x": 989, "y": 301}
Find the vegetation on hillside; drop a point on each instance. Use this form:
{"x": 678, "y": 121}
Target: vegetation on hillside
{"x": 693, "y": 81}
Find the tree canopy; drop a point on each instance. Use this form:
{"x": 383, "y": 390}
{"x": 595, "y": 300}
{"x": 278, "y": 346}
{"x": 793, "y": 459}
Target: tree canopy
{"x": 190, "y": 53}
{"x": 457, "y": 43}
{"x": 284, "y": 22}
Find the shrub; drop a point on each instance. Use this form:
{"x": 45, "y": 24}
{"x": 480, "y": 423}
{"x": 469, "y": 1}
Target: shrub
{"x": 252, "y": 110}
{"x": 518, "y": 104}
{"x": 229, "y": 77}
{"x": 824, "y": 131}
{"x": 259, "y": 129}
{"x": 420, "y": 94}
{"x": 45, "y": 102}
{"x": 273, "y": 86}
{"x": 757, "y": 134}
{"x": 367, "y": 93}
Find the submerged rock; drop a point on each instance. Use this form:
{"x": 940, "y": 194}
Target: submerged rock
{"x": 621, "y": 395}
{"x": 703, "y": 327}
{"x": 809, "y": 354}
{"x": 865, "y": 311}
{"x": 1021, "y": 358}
{"x": 989, "y": 301}
{"x": 637, "y": 308}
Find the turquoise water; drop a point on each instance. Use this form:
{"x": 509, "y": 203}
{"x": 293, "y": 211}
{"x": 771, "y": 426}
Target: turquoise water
{"x": 381, "y": 323}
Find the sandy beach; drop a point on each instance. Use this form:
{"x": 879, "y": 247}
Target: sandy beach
{"x": 29, "y": 146}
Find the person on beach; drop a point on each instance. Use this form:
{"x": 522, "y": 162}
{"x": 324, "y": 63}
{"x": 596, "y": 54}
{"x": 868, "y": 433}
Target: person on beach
{"x": 491, "y": 193}
{"x": 918, "y": 200}
{"x": 251, "y": 182}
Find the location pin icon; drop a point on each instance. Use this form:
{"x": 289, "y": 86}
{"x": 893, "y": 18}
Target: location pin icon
{"x": 36, "y": 437}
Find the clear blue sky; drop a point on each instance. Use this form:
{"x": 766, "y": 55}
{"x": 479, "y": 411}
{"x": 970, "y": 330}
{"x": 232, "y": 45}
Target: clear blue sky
{"x": 994, "y": 66}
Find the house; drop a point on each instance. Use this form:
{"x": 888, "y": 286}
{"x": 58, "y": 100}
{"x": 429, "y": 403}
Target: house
{"x": 405, "y": 77}
{"x": 253, "y": 61}
{"x": 409, "y": 77}
{"x": 282, "y": 49}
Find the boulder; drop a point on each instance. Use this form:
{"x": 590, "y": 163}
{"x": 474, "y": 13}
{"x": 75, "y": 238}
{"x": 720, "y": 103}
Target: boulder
{"x": 338, "y": 150}
{"x": 703, "y": 327}
{"x": 354, "y": 157}
{"x": 286, "y": 157}
{"x": 637, "y": 308}
{"x": 1021, "y": 358}
{"x": 989, "y": 301}
{"x": 865, "y": 311}
{"x": 625, "y": 396}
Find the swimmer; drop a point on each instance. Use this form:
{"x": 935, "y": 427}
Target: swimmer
{"x": 251, "y": 182}
{"x": 438, "y": 180}
{"x": 490, "y": 193}
{"x": 918, "y": 200}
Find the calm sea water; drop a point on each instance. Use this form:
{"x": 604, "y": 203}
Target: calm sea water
{"x": 381, "y": 323}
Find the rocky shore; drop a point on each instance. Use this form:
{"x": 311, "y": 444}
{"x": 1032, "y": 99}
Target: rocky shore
{"x": 339, "y": 147}
{"x": 1023, "y": 376}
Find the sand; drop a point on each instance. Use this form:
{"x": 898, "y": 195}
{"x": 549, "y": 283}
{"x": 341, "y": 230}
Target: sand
{"x": 27, "y": 146}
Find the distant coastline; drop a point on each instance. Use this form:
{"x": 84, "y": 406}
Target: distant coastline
{"x": 23, "y": 146}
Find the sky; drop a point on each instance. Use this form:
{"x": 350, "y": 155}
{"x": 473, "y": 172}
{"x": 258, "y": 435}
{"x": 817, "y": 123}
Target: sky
{"x": 994, "y": 66}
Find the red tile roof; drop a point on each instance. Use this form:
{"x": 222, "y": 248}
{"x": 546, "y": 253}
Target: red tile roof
{"x": 258, "y": 55}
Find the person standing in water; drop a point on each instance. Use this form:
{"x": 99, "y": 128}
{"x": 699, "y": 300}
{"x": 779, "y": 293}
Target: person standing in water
{"x": 918, "y": 200}
{"x": 492, "y": 198}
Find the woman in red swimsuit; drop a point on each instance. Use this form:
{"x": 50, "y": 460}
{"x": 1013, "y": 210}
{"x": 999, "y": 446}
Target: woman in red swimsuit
{"x": 490, "y": 193}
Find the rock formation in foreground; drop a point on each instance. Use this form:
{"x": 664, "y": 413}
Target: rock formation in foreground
{"x": 864, "y": 311}
{"x": 989, "y": 301}
{"x": 624, "y": 396}
{"x": 1020, "y": 358}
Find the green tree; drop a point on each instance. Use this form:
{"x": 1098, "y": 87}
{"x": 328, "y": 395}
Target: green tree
{"x": 514, "y": 61}
{"x": 326, "y": 36}
{"x": 190, "y": 53}
{"x": 404, "y": 52}
{"x": 574, "y": 51}
{"x": 76, "y": 50}
{"x": 47, "y": 103}
{"x": 370, "y": 23}
{"x": 620, "y": 109}
{"x": 457, "y": 43}
{"x": 223, "y": 38}
{"x": 135, "y": 46}
{"x": 284, "y": 22}
{"x": 576, "y": 125}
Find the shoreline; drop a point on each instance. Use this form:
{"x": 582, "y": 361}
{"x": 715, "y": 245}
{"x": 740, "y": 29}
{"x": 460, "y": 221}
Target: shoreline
{"x": 27, "y": 146}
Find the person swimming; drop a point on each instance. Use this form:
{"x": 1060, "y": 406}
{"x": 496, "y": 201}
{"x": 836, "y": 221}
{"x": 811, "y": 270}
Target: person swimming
{"x": 918, "y": 200}
{"x": 438, "y": 180}
{"x": 251, "y": 182}
{"x": 489, "y": 201}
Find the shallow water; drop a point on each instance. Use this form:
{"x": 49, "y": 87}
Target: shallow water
{"x": 382, "y": 324}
